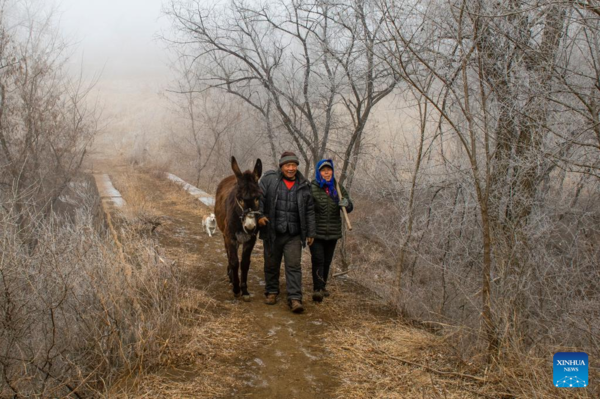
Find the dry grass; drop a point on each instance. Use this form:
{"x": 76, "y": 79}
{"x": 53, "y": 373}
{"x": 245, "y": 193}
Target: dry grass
{"x": 373, "y": 353}
{"x": 378, "y": 355}
{"x": 199, "y": 363}
{"x": 549, "y": 301}
{"x": 527, "y": 375}
{"x": 140, "y": 208}
{"x": 201, "y": 360}
{"x": 74, "y": 321}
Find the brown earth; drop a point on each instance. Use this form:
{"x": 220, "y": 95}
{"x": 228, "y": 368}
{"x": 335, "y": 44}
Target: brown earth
{"x": 351, "y": 345}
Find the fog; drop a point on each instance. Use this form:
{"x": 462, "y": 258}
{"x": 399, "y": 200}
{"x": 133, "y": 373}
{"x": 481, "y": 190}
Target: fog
{"x": 116, "y": 37}
{"x": 116, "y": 42}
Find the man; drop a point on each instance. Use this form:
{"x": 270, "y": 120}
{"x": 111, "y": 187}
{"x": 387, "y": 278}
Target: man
{"x": 287, "y": 225}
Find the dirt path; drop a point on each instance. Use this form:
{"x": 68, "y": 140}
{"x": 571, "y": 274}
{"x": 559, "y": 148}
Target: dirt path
{"x": 268, "y": 352}
{"x": 292, "y": 360}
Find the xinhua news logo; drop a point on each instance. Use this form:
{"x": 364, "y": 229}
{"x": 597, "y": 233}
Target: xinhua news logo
{"x": 570, "y": 370}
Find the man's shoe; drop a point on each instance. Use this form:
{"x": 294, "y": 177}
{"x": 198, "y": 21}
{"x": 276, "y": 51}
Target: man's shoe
{"x": 296, "y": 306}
{"x": 326, "y": 293}
{"x": 318, "y": 296}
{"x": 271, "y": 299}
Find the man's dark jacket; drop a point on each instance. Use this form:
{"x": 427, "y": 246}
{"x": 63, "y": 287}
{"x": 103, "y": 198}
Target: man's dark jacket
{"x": 273, "y": 188}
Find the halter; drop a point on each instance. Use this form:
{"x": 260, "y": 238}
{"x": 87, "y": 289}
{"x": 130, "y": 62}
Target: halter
{"x": 247, "y": 212}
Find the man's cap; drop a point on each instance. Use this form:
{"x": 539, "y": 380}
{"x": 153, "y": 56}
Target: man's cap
{"x": 288, "y": 157}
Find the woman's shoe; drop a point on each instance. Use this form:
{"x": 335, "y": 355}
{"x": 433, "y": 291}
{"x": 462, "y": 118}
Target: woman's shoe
{"x": 317, "y": 296}
{"x": 271, "y": 299}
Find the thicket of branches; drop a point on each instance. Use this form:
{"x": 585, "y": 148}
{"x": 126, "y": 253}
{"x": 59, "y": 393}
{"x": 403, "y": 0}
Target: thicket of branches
{"x": 309, "y": 71}
{"x": 76, "y": 317}
{"x": 72, "y": 322}
{"x": 45, "y": 126}
{"x": 480, "y": 204}
{"x": 499, "y": 197}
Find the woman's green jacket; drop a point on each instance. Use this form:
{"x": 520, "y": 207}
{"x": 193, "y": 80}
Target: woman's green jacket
{"x": 328, "y": 213}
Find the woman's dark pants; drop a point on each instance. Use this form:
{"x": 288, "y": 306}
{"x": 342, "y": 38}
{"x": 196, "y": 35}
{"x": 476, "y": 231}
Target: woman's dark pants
{"x": 322, "y": 254}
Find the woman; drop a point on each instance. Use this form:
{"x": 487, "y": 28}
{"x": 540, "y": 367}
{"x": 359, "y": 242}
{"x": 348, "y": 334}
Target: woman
{"x": 329, "y": 224}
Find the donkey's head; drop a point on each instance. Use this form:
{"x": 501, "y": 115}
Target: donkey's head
{"x": 247, "y": 193}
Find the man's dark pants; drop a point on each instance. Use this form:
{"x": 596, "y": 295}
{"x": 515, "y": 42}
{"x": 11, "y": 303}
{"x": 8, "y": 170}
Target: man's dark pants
{"x": 290, "y": 249}
{"x": 322, "y": 254}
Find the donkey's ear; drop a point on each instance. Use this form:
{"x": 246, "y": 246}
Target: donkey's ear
{"x": 235, "y": 167}
{"x": 258, "y": 169}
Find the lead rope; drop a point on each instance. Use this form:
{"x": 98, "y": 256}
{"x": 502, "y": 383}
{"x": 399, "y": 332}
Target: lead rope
{"x": 244, "y": 213}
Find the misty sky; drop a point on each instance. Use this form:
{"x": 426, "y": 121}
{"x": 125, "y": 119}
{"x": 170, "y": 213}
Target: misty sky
{"x": 117, "y": 35}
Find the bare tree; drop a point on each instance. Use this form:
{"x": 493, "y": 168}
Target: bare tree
{"x": 206, "y": 120}
{"x": 70, "y": 324}
{"x": 45, "y": 125}
{"x": 512, "y": 90}
{"x": 312, "y": 64}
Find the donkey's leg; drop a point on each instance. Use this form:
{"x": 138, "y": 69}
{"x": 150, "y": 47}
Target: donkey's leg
{"x": 246, "y": 253}
{"x": 229, "y": 271}
{"x": 233, "y": 266}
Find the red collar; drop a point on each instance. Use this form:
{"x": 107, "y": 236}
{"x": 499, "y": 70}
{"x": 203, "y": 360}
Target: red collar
{"x": 289, "y": 183}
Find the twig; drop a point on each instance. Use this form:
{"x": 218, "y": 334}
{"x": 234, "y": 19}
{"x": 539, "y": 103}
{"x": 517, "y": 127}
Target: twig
{"x": 431, "y": 370}
{"x": 341, "y": 273}
{"x": 494, "y": 396}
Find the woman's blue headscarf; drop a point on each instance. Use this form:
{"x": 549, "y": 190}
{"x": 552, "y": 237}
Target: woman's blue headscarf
{"x": 324, "y": 183}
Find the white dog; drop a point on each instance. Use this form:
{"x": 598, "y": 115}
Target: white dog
{"x": 209, "y": 223}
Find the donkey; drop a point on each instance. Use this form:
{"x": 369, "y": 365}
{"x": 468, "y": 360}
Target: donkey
{"x": 236, "y": 209}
